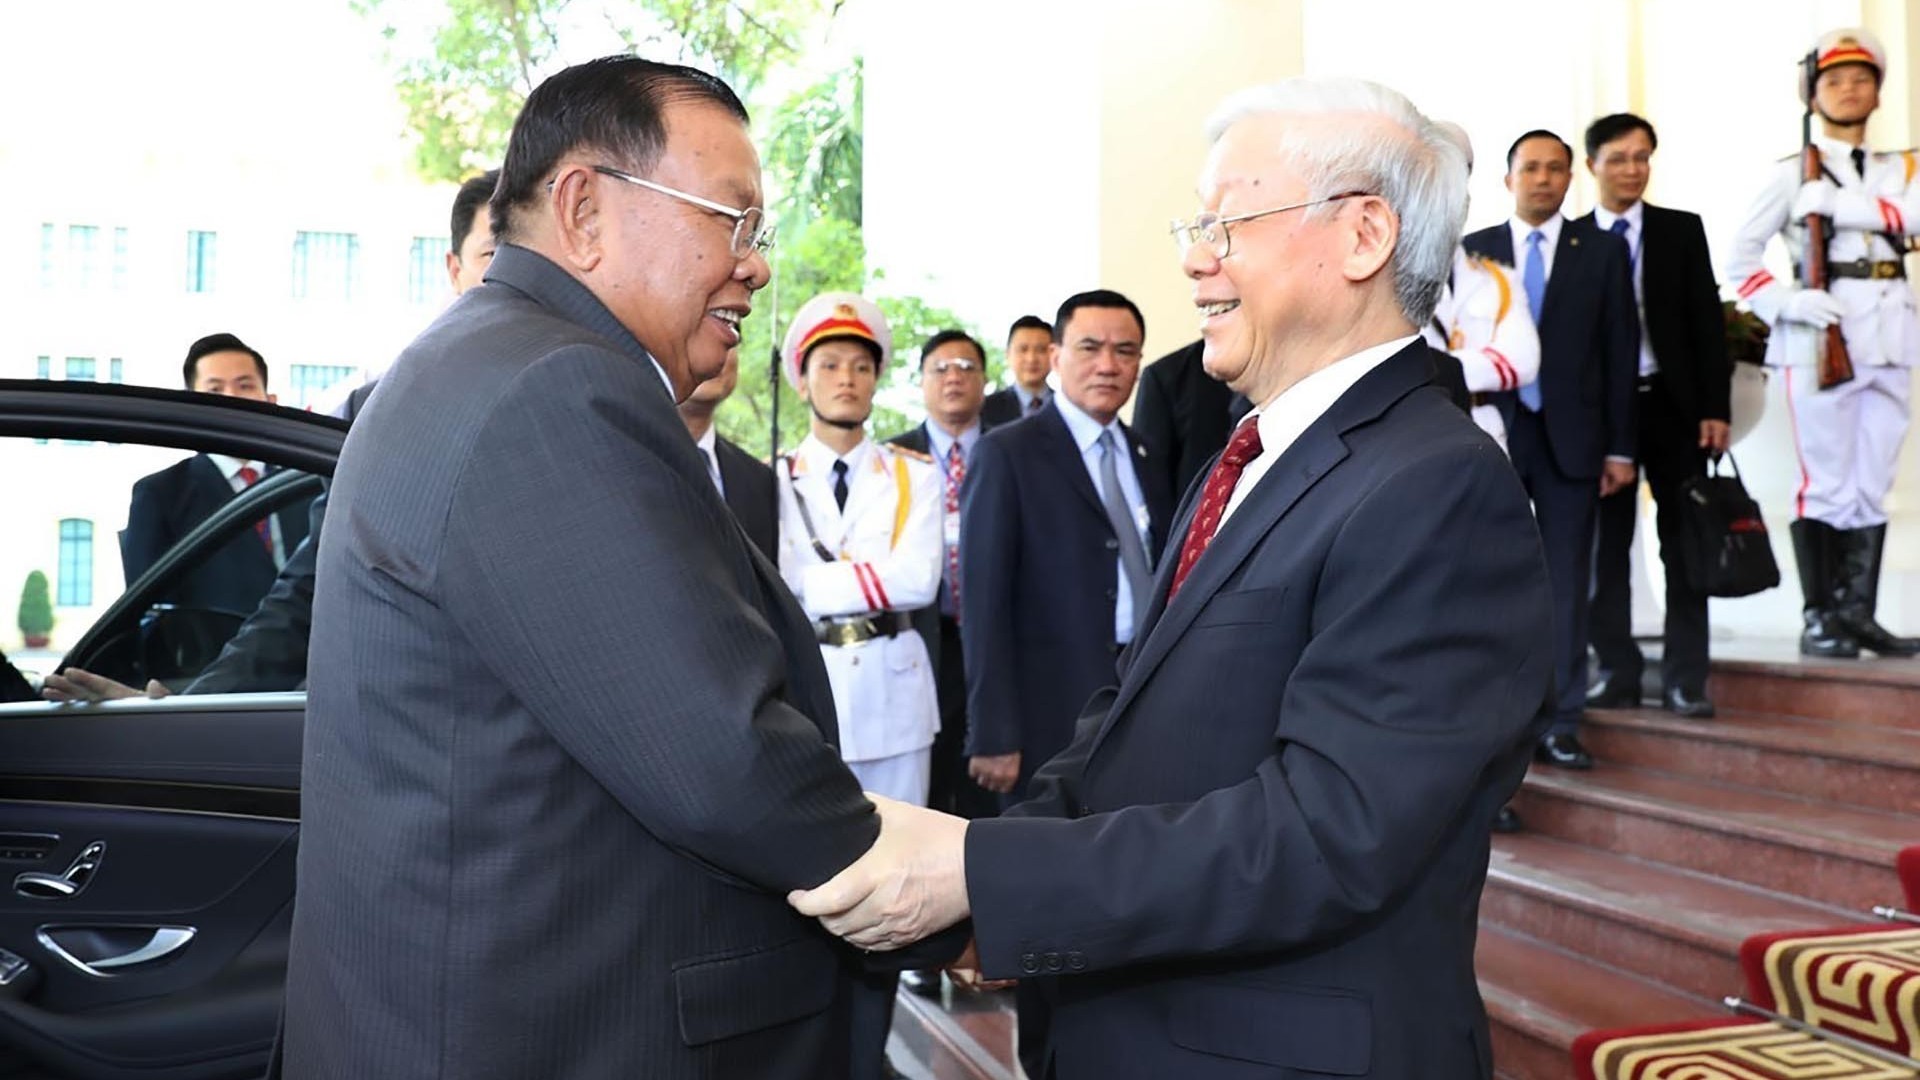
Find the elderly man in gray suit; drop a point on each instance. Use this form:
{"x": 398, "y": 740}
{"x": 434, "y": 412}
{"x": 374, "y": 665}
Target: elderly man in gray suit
{"x": 569, "y": 739}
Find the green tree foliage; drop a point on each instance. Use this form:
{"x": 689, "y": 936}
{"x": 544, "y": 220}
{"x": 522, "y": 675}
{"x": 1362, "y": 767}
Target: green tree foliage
{"x": 462, "y": 88}
{"x": 484, "y": 56}
{"x": 36, "y": 607}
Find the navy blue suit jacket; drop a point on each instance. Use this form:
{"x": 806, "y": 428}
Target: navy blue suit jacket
{"x": 1038, "y": 582}
{"x": 168, "y": 504}
{"x": 1264, "y": 850}
{"x": 1589, "y": 345}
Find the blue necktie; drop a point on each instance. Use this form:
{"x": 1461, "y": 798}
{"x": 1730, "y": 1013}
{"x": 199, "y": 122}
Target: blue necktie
{"x": 1619, "y": 227}
{"x": 1533, "y": 278}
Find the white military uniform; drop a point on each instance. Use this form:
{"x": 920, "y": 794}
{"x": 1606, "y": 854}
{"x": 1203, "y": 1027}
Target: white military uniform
{"x": 1482, "y": 321}
{"x": 1848, "y": 438}
{"x": 886, "y": 557}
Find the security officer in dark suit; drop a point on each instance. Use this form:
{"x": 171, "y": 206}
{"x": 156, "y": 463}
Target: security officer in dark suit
{"x": 1684, "y": 384}
{"x": 745, "y": 482}
{"x": 1026, "y": 391}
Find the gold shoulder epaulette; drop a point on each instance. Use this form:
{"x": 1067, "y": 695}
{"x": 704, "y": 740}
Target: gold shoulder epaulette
{"x": 911, "y": 453}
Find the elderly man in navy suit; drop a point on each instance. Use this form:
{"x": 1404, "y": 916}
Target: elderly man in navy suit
{"x": 1571, "y": 432}
{"x": 1262, "y": 854}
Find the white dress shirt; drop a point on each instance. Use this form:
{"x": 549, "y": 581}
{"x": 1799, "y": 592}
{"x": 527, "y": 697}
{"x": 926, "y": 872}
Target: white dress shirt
{"x": 1635, "y": 236}
{"x": 1086, "y": 435}
{"x": 230, "y": 468}
{"x": 1284, "y": 418}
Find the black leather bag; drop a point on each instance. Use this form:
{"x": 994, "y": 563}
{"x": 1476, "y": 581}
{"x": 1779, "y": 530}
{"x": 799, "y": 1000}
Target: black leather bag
{"x": 1727, "y": 550}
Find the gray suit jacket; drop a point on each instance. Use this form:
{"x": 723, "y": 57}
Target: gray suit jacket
{"x": 569, "y": 740}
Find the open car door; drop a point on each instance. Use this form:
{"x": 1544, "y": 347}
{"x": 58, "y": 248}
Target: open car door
{"x": 146, "y": 846}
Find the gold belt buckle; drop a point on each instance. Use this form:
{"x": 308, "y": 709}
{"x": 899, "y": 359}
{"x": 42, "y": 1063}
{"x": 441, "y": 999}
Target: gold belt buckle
{"x": 1884, "y": 270}
{"x": 850, "y": 632}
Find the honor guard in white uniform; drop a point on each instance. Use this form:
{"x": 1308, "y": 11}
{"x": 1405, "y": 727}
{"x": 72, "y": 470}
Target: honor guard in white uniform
{"x": 1482, "y": 321}
{"x": 860, "y": 546}
{"x": 1847, "y": 437}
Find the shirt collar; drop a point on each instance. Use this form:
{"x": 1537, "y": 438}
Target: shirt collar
{"x": 1635, "y": 214}
{"x": 1027, "y": 399}
{"x": 707, "y": 442}
{"x": 1084, "y": 429}
{"x": 1521, "y": 230}
{"x": 1297, "y": 407}
{"x": 941, "y": 443}
{"x": 820, "y": 457}
{"x": 230, "y": 466}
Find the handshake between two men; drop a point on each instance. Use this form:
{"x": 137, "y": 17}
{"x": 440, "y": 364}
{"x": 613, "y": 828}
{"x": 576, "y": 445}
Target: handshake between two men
{"x": 911, "y": 884}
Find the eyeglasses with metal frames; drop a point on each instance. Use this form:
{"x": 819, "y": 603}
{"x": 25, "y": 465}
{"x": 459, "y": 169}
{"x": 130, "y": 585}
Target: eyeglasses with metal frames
{"x": 1210, "y": 228}
{"x": 751, "y": 232}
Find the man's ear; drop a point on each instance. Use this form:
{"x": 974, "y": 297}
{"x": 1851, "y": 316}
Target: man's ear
{"x": 453, "y": 270}
{"x": 1376, "y": 234}
{"x": 575, "y": 203}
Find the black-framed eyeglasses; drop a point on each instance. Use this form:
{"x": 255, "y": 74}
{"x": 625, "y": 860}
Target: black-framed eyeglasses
{"x": 751, "y": 231}
{"x": 1210, "y": 228}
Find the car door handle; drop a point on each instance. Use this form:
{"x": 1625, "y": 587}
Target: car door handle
{"x": 69, "y": 943}
{"x": 35, "y": 885}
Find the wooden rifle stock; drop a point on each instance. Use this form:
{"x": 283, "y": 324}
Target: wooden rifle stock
{"x": 1835, "y": 366}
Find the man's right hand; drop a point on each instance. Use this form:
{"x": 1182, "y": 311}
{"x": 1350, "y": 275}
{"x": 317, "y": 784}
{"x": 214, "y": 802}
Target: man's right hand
{"x": 75, "y": 684}
{"x": 1815, "y": 307}
{"x": 997, "y": 773}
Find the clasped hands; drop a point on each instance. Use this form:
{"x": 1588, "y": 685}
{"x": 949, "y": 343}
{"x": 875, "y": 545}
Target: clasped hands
{"x": 910, "y": 884}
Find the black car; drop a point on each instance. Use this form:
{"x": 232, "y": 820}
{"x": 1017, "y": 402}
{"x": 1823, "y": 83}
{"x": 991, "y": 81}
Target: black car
{"x": 147, "y": 846}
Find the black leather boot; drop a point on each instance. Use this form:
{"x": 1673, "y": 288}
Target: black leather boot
{"x": 1816, "y": 551}
{"x": 1859, "y": 593}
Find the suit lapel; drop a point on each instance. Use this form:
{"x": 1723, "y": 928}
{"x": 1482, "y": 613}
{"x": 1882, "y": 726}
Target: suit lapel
{"x": 1315, "y": 454}
{"x": 1153, "y": 490}
{"x": 1065, "y": 457}
{"x": 1566, "y": 261}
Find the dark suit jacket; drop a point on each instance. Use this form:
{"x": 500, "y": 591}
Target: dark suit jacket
{"x": 1184, "y": 413}
{"x": 168, "y": 504}
{"x": 569, "y": 740}
{"x": 1038, "y": 563}
{"x": 1001, "y": 407}
{"x": 749, "y": 484}
{"x": 1263, "y": 853}
{"x": 1589, "y": 345}
{"x": 926, "y": 620}
{"x": 1684, "y": 321}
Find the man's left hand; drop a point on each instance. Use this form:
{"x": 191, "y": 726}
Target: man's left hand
{"x": 1618, "y": 476}
{"x": 911, "y": 883}
{"x": 1715, "y": 436}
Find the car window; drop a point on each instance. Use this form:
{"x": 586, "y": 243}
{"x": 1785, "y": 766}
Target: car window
{"x": 138, "y": 562}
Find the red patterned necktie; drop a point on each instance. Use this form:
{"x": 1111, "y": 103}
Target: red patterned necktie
{"x": 1242, "y": 448}
{"x": 248, "y": 477}
{"x": 956, "y": 473}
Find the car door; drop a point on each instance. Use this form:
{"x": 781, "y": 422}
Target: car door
{"x": 146, "y": 846}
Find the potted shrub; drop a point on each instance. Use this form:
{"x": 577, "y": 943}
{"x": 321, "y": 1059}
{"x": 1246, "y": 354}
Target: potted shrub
{"x": 36, "y": 611}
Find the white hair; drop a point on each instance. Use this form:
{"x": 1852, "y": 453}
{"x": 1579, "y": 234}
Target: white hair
{"x": 1419, "y": 170}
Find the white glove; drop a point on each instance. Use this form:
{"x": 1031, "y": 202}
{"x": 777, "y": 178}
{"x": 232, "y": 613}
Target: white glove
{"x": 1816, "y": 197}
{"x": 1816, "y": 307}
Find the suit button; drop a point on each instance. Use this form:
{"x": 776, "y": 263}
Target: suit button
{"x": 1113, "y": 544}
{"x": 1029, "y": 964}
{"x": 1054, "y": 963}
{"x": 1085, "y": 811}
{"x": 1076, "y": 962}
{"x": 1113, "y": 594}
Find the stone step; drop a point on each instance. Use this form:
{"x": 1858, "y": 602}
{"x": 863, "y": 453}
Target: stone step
{"x": 1866, "y": 765}
{"x": 1830, "y": 854}
{"x": 1780, "y": 683}
{"x": 962, "y": 1035}
{"x": 1673, "y": 927}
{"x": 1540, "y": 998}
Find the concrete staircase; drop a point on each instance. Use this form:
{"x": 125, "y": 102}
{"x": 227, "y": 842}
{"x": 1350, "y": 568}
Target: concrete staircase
{"x": 1626, "y": 899}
